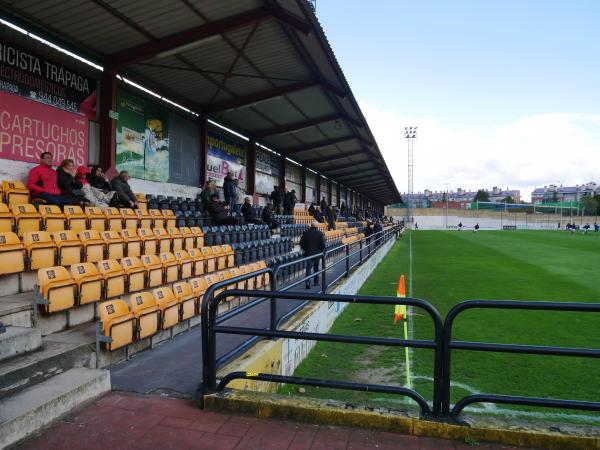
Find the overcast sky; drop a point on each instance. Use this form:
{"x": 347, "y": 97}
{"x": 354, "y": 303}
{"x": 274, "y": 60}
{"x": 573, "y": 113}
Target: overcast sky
{"x": 505, "y": 93}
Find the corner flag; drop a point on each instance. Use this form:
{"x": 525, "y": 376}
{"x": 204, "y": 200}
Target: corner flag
{"x": 400, "y": 310}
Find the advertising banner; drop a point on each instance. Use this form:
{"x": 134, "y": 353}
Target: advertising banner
{"x": 142, "y": 138}
{"x": 267, "y": 162}
{"x": 29, "y": 75}
{"x": 265, "y": 183}
{"x": 225, "y": 155}
{"x": 29, "y": 128}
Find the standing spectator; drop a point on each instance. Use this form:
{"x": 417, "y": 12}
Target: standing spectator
{"x": 70, "y": 187}
{"x": 208, "y": 190}
{"x": 267, "y": 216}
{"x": 218, "y": 212}
{"x": 277, "y": 198}
{"x": 323, "y": 204}
{"x": 331, "y": 218}
{"x": 229, "y": 190}
{"x": 368, "y": 232}
{"x": 289, "y": 202}
{"x": 318, "y": 216}
{"x": 377, "y": 229}
{"x": 98, "y": 180}
{"x": 248, "y": 212}
{"x": 313, "y": 243}
{"x": 311, "y": 209}
{"x": 124, "y": 196}
{"x": 43, "y": 182}
{"x": 343, "y": 209}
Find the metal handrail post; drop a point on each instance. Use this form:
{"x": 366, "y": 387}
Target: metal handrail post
{"x": 273, "y": 305}
{"x": 324, "y": 273}
{"x": 347, "y": 260}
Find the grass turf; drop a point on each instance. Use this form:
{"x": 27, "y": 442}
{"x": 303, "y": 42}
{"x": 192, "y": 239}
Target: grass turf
{"x": 452, "y": 266}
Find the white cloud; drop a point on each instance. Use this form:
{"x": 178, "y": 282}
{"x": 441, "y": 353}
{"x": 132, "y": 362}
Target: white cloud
{"x": 527, "y": 153}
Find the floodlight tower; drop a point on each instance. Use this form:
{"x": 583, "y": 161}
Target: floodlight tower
{"x": 410, "y": 133}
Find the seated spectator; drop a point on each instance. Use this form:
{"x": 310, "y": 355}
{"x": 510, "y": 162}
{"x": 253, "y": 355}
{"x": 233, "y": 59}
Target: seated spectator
{"x": 249, "y": 213}
{"x": 69, "y": 185}
{"x": 209, "y": 188}
{"x": 318, "y": 216}
{"x": 124, "y": 197}
{"x": 311, "y": 209}
{"x": 98, "y": 180}
{"x": 96, "y": 197}
{"x": 43, "y": 182}
{"x": 267, "y": 216}
{"x": 218, "y": 212}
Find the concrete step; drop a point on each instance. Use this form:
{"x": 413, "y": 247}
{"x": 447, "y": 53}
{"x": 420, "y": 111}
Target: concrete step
{"x": 58, "y": 353}
{"x": 26, "y": 412}
{"x": 17, "y": 309}
{"x": 18, "y": 340}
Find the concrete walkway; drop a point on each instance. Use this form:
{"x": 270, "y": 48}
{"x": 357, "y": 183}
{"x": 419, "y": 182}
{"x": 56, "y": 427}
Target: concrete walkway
{"x": 120, "y": 421}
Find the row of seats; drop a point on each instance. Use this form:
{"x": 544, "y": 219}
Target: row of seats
{"x": 293, "y": 230}
{"x": 229, "y": 234}
{"x": 247, "y": 252}
{"x": 162, "y": 308}
{"x": 86, "y": 283}
{"x": 40, "y": 249}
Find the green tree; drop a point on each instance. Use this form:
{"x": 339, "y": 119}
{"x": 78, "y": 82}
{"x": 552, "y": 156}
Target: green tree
{"x": 508, "y": 199}
{"x": 590, "y": 205}
{"x": 482, "y": 196}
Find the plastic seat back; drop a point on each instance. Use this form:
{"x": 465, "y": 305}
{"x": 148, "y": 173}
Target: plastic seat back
{"x": 154, "y": 270}
{"x": 75, "y": 217}
{"x": 144, "y": 307}
{"x": 96, "y": 219}
{"x": 184, "y": 294}
{"x": 136, "y": 274}
{"x": 117, "y": 323}
{"x": 90, "y": 283}
{"x": 26, "y": 218}
{"x": 69, "y": 247}
{"x": 115, "y": 247}
{"x": 52, "y": 217}
{"x": 41, "y": 249}
{"x": 57, "y": 288}
{"x": 12, "y": 253}
{"x": 114, "y": 277}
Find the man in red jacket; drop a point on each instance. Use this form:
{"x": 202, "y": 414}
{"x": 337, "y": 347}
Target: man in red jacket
{"x": 43, "y": 182}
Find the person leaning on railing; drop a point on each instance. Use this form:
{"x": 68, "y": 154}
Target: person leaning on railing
{"x": 313, "y": 243}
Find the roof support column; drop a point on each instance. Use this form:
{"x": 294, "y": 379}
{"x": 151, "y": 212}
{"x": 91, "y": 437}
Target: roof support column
{"x": 251, "y": 168}
{"x": 337, "y": 193}
{"x": 203, "y": 122}
{"x": 318, "y": 186}
{"x": 108, "y": 126}
{"x": 281, "y": 164}
{"x": 303, "y": 185}
{"x": 330, "y": 192}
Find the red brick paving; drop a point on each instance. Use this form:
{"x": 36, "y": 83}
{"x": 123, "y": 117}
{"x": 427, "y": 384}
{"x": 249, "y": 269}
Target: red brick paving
{"x": 120, "y": 421}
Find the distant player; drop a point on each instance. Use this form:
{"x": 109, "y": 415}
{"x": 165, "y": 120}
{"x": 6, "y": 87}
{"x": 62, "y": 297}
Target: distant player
{"x": 476, "y": 228}
{"x": 586, "y": 228}
{"x": 459, "y": 226}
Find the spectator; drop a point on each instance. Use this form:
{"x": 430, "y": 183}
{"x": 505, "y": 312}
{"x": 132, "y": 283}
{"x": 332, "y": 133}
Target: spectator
{"x": 70, "y": 187}
{"x": 124, "y": 196}
{"x": 218, "y": 212}
{"x": 43, "y": 182}
{"x": 318, "y": 216}
{"x": 289, "y": 202}
{"x": 229, "y": 190}
{"x": 98, "y": 180}
{"x": 323, "y": 205}
{"x": 96, "y": 197}
{"x": 331, "y": 218}
{"x": 343, "y": 209}
{"x": 277, "y": 198}
{"x": 239, "y": 197}
{"x": 311, "y": 209}
{"x": 368, "y": 232}
{"x": 313, "y": 243}
{"x": 267, "y": 216}
{"x": 377, "y": 228}
{"x": 208, "y": 190}
{"x": 248, "y": 212}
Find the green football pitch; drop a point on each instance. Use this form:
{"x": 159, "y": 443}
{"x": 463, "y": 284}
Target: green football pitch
{"x": 451, "y": 266}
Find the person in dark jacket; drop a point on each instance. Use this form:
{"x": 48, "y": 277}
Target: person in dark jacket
{"x": 313, "y": 243}
{"x": 368, "y": 232}
{"x": 125, "y": 196}
{"x": 248, "y": 212}
{"x": 229, "y": 190}
{"x": 218, "y": 212}
{"x": 43, "y": 182}
{"x": 311, "y": 209}
{"x": 289, "y": 202}
{"x": 343, "y": 209}
{"x": 267, "y": 216}
{"x": 323, "y": 204}
{"x": 331, "y": 218}
{"x": 70, "y": 187}
{"x": 97, "y": 179}
{"x": 277, "y": 198}
{"x": 318, "y": 215}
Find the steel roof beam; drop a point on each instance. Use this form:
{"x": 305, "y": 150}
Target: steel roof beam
{"x": 351, "y": 178}
{"x": 346, "y": 166}
{"x": 171, "y": 42}
{"x": 297, "y": 126}
{"x": 334, "y": 157}
{"x": 319, "y": 144}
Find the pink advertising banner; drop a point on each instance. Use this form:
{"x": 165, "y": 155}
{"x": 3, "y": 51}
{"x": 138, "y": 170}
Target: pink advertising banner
{"x": 28, "y": 128}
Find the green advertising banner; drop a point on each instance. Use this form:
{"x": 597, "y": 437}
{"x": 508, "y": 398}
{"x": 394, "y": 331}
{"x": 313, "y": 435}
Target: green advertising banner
{"x": 142, "y": 138}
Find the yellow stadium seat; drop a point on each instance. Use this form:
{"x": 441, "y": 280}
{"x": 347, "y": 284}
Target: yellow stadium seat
{"x": 144, "y": 218}
{"x": 250, "y": 282}
{"x": 158, "y": 220}
{"x": 154, "y": 270}
{"x": 258, "y": 279}
{"x": 113, "y": 219}
{"x": 169, "y": 306}
{"x": 57, "y": 288}
{"x": 199, "y": 287}
{"x": 199, "y": 235}
{"x": 41, "y": 250}
{"x": 266, "y": 282}
{"x": 96, "y": 218}
{"x": 210, "y": 258}
{"x": 186, "y": 264}
{"x": 176, "y": 238}
{"x": 199, "y": 261}
{"x": 133, "y": 243}
{"x": 147, "y": 314}
{"x": 210, "y": 280}
{"x": 217, "y": 251}
{"x": 130, "y": 219}
{"x": 223, "y": 275}
{"x": 170, "y": 266}
{"x": 114, "y": 277}
{"x": 6, "y": 219}
{"x": 142, "y": 201}
{"x": 26, "y": 218}
{"x": 115, "y": 247}
{"x": 15, "y": 192}
{"x": 229, "y": 255}
{"x": 53, "y": 218}
{"x": 90, "y": 283}
{"x": 149, "y": 241}
{"x": 235, "y": 272}
{"x": 170, "y": 218}
{"x": 93, "y": 245}
{"x": 12, "y": 253}
{"x": 242, "y": 271}
{"x": 189, "y": 240}
{"x": 76, "y": 219}
{"x": 136, "y": 274}
{"x": 118, "y": 323}
{"x": 68, "y": 246}
{"x": 164, "y": 240}
{"x": 184, "y": 294}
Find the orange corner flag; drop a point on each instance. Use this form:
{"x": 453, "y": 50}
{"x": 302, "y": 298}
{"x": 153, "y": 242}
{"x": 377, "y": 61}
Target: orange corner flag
{"x": 400, "y": 310}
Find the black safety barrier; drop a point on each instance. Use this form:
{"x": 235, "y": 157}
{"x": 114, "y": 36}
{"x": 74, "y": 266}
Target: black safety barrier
{"x": 210, "y": 328}
{"x": 450, "y": 345}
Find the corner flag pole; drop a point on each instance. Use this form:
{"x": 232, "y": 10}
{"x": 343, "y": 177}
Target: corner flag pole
{"x": 400, "y": 313}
